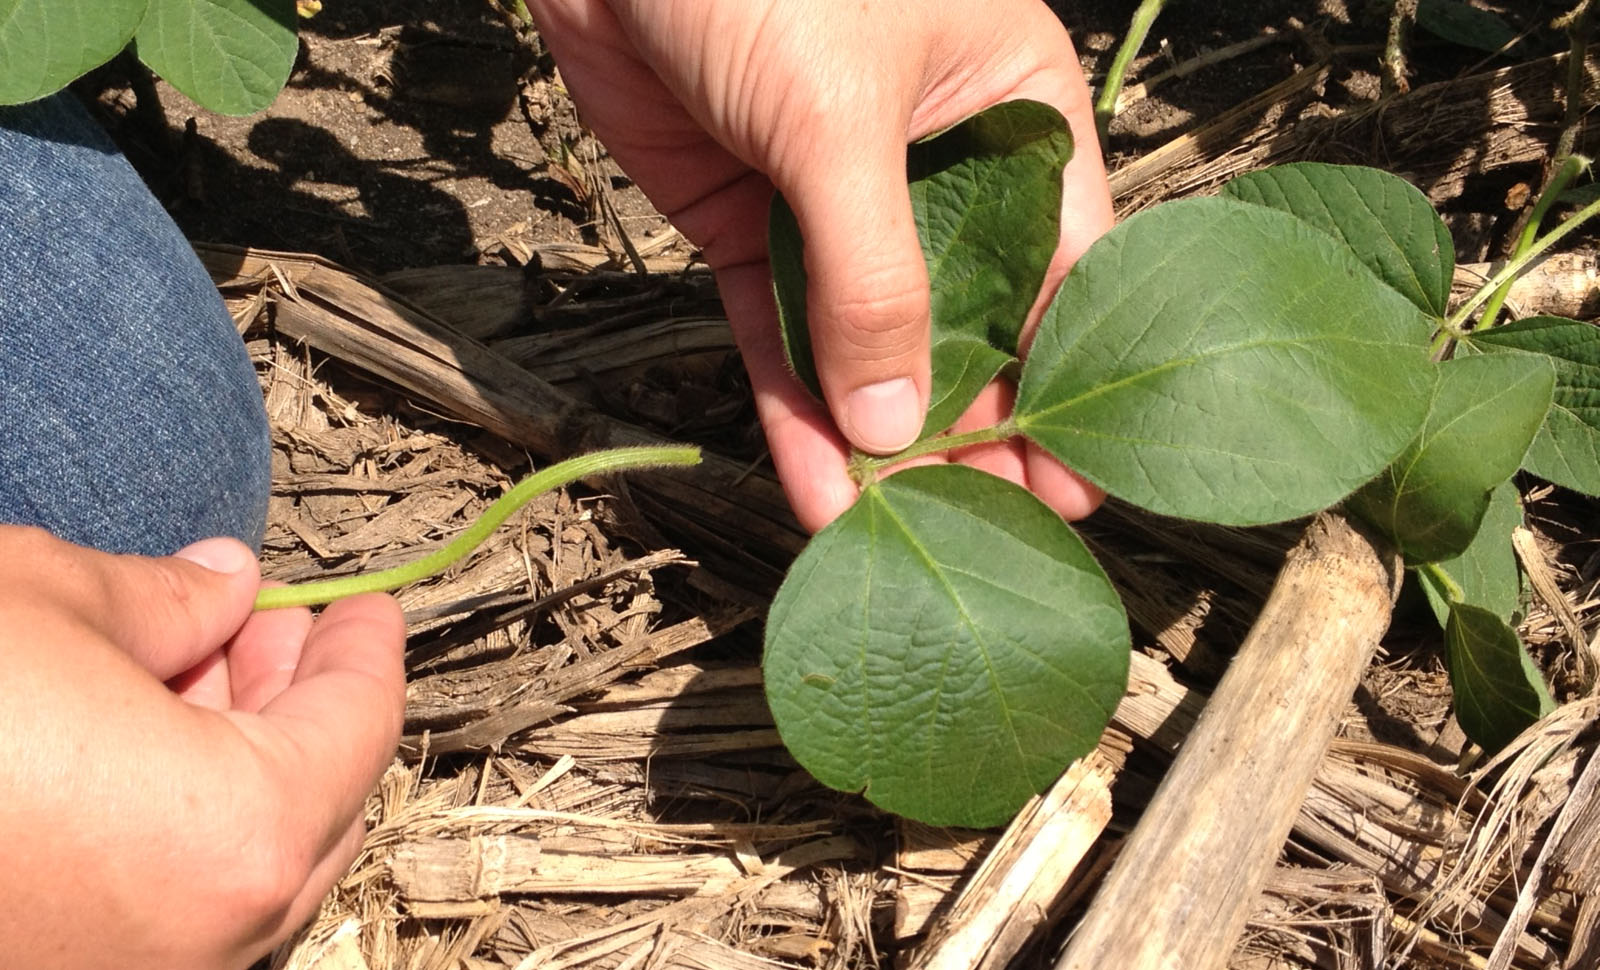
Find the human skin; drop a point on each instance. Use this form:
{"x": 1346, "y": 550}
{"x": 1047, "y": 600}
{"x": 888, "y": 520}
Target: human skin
{"x": 711, "y": 104}
{"x": 186, "y": 778}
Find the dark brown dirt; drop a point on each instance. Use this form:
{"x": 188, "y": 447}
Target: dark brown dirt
{"x": 421, "y": 132}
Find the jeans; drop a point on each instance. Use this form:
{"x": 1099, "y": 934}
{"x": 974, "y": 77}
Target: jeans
{"x": 130, "y": 417}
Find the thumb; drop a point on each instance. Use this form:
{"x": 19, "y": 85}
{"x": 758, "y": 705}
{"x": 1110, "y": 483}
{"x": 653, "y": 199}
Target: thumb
{"x": 167, "y": 613}
{"x": 866, "y": 291}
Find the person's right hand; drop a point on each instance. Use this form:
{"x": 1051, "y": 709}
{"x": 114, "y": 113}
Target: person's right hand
{"x": 710, "y": 105}
{"x": 184, "y": 779}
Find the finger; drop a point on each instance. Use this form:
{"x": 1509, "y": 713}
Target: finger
{"x": 1070, "y": 494}
{"x": 206, "y": 684}
{"x": 264, "y": 654}
{"x": 334, "y": 730}
{"x": 867, "y": 284}
{"x": 1032, "y": 58}
{"x": 1003, "y": 458}
{"x": 326, "y": 874}
{"x": 810, "y": 457}
{"x": 167, "y": 613}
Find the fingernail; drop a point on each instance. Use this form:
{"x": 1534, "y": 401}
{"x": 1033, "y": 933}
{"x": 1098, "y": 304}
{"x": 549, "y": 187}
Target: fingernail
{"x": 884, "y": 417}
{"x": 218, "y": 555}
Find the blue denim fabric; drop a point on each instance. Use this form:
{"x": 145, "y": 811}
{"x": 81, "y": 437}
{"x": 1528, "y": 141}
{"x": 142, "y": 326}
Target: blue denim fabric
{"x": 130, "y": 418}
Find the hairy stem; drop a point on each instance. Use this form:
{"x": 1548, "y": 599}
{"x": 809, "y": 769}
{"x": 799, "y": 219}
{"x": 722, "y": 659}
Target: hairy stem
{"x": 1579, "y": 23}
{"x": 1559, "y": 180}
{"x": 1515, "y": 266}
{"x": 865, "y": 468}
{"x": 1106, "y": 108}
{"x": 1452, "y": 590}
{"x": 1401, "y": 16}
{"x": 563, "y": 473}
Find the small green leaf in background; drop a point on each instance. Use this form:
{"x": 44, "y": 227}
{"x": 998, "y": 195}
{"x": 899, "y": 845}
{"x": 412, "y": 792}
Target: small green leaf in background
{"x": 1466, "y": 25}
{"x": 1385, "y": 220}
{"x": 47, "y": 44}
{"x": 1219, "y": 360}
{"x": 1487, "y": 572}
{"x": 1486, "y": 410}
{"x": 947, "y": 644}
{"x": 1498, "y": 691}
{"x": 986, "y": 195}
{"x": 230, "y": 56}
{"x": 1567, "y": 449}
{"x": 1581, "y": 196}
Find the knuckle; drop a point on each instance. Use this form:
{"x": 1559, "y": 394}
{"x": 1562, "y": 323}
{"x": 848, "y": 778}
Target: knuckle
{"x": 882, "y": 314}
{"x": 172, "y": 587}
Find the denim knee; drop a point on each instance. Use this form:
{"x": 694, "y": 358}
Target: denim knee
{"x": 130, "y": 417}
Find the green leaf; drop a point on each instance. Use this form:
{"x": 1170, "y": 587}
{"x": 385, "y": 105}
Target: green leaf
{"x": 1486, "y": 573}
{"x": 1224, "y": 361}
{"x": 1486, "y": 410}
{"x": 786, "y": 255}
{"x": 231, "y": 56}
{"x": 1385, "y": 220}
{"x": 1567, "y": 449}
{"x": 1466, "y": 25}
{"x": 986, "y": 195}
{"x": 948, "y": 645}
{"x": 1581, "y": 196}
{"x": 46, "y": 44}
{"x": 1498, "y": 691}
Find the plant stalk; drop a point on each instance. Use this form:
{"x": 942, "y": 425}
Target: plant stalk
{"x": 1452, "y": 590}
{"x": 557, "y": 475}
{"x": 1563, "y": 176}
{"x": 1401, "y": 16}
{"x": 1106, "y": 108}
{"x": 1579, "y": 23}
{"x": 865, "y": 468}
{"x": 1515, "y": 266}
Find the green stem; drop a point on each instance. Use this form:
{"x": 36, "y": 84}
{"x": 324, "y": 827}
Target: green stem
{"x": 1570, "y": 167}
{"x": 1440, "y": 341}
{"x": 1452, "y": 590}
{"x": 866, "y": 467}
{"x": 563, "y": 473}
{"x": 1515, "y": 266}
{"x": 1106, "y": 108}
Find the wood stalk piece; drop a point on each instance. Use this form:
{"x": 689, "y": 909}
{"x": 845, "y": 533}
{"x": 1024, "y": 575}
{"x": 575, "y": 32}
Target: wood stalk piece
{"x": 1182, "y": 888}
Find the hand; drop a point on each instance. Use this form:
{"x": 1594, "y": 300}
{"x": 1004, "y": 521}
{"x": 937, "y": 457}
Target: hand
{"x": 709, "y": 104}
{"x": 196, "y": 825}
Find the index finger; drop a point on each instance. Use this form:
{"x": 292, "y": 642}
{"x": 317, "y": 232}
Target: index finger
{"x": 333, "y": 731}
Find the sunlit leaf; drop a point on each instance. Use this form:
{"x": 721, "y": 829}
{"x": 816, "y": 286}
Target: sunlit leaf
{"x": 1485, "y": 412}
{"x": 1385, "y": 220}
{"x": 1567, "y": 449}
{"x": 231, "y": 56}
{"x": 1220, "y": 360}
{"x": 986, "y": 195}
{"x": 45, "y": 44}
{"x": 947, "y": 645}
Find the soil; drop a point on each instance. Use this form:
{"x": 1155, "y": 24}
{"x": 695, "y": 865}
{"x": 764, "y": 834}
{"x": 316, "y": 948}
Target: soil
{"x": 418, "y": 133}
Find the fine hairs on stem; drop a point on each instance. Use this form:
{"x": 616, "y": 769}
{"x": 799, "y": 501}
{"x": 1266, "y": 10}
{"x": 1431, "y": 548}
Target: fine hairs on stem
{"x": 563, "y": 473}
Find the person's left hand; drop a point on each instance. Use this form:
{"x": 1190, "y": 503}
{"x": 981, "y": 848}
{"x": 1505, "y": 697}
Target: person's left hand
{"x": 191, "y": 773}
{"x": 709, "y": 104}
